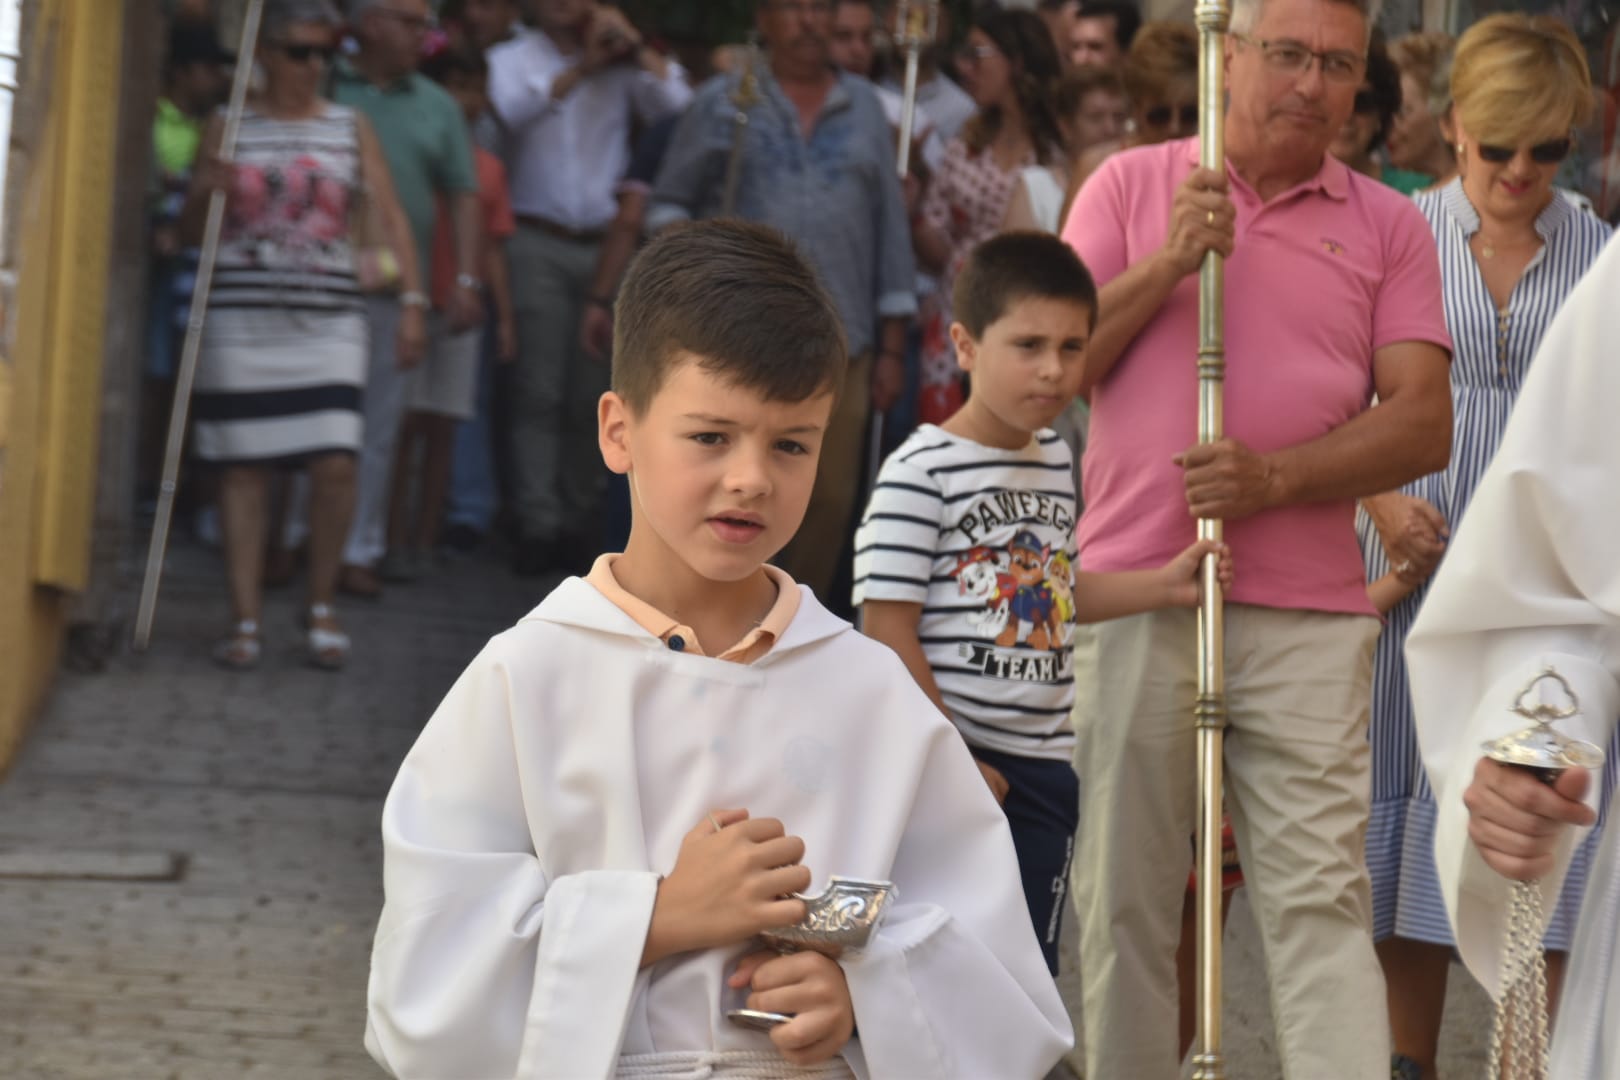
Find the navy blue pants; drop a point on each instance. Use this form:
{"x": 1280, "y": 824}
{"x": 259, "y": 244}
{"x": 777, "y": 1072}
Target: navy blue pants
{"x": 1043, "y": 809}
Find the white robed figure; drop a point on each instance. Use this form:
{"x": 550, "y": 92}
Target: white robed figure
{"x": 1532, "y": 581}
{"x": 528, "y": 827}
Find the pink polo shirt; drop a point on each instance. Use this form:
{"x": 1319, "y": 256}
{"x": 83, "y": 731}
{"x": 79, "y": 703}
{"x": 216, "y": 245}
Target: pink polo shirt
{"x": 1320, "y": 277}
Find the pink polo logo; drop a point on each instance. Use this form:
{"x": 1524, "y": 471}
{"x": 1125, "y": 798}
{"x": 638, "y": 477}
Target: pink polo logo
{"x": 1332, "y": 247}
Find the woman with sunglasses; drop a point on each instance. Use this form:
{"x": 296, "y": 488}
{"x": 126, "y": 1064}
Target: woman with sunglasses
{"x": 1511, "y": 249}
{"x": 1161, "y": 81}
{"x": 283, "y": 358}
{"x": 1010, "y": 67}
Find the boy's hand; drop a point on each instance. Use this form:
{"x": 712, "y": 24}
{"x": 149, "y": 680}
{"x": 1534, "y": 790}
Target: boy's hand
{"x": 1516, "y": 821}
{"x": 727, "y": 886}
{"x": 1181, "y": 576}
{"x": 809, "y": 986}
{"x": 992, "y": 776}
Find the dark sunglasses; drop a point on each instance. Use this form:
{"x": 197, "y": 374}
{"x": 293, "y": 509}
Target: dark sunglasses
{"x": 303, "y": 54}
{"x": 1366, "y": 101}
{"x": 1550, "y": 152}
{"x": 1159, "y": 116}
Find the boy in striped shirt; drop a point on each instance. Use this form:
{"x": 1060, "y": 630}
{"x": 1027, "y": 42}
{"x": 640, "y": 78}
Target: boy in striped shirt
{"x": 965, "y": 559}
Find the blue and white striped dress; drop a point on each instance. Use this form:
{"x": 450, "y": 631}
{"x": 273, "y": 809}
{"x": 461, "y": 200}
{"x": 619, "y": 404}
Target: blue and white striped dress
{"x": 1493, "y": 350}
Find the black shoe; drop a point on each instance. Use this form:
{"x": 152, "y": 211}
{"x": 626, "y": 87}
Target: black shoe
{"x": 1402, "y": 1067}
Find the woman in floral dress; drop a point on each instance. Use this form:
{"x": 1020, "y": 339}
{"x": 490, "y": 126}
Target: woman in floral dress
{"x": 1010, "y": 67}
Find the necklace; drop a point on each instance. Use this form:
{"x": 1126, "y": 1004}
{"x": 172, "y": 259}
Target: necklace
{"x": 1487, "y": 250}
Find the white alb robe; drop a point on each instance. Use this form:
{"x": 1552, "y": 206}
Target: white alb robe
{"x": 527, "y": 828}
{"x": 1532, "y": 580}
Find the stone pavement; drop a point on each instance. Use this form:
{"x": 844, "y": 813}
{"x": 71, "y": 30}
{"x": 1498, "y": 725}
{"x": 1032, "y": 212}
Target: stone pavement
{"x": 250, "y": 801}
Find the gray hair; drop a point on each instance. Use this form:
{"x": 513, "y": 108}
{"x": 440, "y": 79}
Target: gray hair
{"x": 1246, "y": 13}
{"x": 281, "y": 14}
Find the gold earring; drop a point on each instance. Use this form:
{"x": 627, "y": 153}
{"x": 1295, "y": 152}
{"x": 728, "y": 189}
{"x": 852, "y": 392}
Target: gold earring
{"x": 1462, "y": 151}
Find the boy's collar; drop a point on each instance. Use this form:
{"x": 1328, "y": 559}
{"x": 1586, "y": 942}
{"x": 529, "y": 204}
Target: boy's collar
{"x": 577, "y": 603}
{"x": 665, "y": 627}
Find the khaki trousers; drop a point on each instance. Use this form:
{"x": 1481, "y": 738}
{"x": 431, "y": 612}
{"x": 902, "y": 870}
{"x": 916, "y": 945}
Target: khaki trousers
{"x": 811, "y": 557}
{"x": 1298, "y": 773}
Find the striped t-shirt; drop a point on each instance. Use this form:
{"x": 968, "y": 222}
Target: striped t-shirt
{"x": 983, "y": 538}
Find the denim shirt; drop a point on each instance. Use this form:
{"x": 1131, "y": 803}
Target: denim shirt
{"x": 836, "y": 193}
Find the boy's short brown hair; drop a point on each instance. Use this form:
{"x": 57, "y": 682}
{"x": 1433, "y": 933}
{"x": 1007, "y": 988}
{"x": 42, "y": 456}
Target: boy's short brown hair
{"x": 739, "y": 297}
{"x": 1016, "y": 266}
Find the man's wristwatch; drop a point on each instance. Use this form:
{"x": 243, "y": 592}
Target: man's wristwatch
{"x": 415, "y": 299}
{"x": 468, "y": 281}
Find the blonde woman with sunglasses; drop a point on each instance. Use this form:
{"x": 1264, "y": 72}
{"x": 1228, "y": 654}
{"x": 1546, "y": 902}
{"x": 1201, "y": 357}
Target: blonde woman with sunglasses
{"x": 1512, "y": 247}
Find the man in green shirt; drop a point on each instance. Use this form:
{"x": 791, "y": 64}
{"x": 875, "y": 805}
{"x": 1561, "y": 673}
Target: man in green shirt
{"x": 425, "y": 140}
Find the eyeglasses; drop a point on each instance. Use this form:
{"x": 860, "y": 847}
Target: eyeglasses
{"x": 1366, "y": 101}
{"x": 1293, "y": 58}
{"x": 300, "y": 53}
{"x": 1550, "y": 152}
{"x": 975, "y": 53}
{"x": 1160, "y": 116}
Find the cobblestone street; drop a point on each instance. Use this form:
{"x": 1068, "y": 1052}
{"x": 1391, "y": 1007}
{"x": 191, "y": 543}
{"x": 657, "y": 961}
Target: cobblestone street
{"x": 189, "y": 863}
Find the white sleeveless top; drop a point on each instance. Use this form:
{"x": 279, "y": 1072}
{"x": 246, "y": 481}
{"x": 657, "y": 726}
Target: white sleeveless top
{"x": 1045, "y": 196}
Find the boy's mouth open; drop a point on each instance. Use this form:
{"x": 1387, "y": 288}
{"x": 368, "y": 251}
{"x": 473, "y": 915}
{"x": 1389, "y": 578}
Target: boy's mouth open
{"x": 737, "y": 528}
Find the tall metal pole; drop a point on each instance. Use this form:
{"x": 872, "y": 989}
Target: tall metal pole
{"x": 917, "y": 23}
{"x": 1209, "y": 1063}
{"x": 188, "y": 357}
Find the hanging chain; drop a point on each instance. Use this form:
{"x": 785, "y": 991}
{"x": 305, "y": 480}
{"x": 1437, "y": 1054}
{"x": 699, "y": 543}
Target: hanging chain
{"x": 1519, "y": 1038}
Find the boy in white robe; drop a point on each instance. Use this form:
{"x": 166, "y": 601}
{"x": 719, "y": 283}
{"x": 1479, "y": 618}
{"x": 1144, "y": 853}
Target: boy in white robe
{"x": 1532, "y": 581}
{"x": 600, "y": 818}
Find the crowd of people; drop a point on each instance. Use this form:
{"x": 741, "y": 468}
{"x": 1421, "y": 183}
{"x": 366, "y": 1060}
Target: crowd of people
{"x": 418, "y": 338}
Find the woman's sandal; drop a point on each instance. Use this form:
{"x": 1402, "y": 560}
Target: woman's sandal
{"x": 328, "y": 649}
{"x": 240, "y": 651}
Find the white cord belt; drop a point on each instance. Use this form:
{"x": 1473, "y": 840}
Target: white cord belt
{"x": 702, "y": 1065}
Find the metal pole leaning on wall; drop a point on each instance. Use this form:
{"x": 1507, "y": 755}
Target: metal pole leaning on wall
{"x": 1209, "y": 1063}
{"x": 187, "y": 373}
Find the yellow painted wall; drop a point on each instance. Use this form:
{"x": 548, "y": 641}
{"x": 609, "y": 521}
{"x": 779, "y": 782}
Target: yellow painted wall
{"x": 50, "y": 387}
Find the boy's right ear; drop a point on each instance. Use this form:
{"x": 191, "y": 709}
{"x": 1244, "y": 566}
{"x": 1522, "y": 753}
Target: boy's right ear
{"x": 967, "y": 349}
{"x": 613, "y": 432}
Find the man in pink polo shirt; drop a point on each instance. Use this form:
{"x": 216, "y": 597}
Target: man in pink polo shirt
{"x": 1332, "y": 297}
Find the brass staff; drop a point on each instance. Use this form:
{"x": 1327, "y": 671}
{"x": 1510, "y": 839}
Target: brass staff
{"x": 917, "y": 22}
{"x": 187, "y": 372}
{"x": 1209, "y": 1063}
{"x": 743, "y": 98}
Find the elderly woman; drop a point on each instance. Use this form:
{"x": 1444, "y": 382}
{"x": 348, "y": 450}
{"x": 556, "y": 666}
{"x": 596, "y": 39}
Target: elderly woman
{"x": 1010, "y": 66}
{"x": 1378, "y": 101}
{"x": 1511, "y": 249}
{"x": 283, "y": 357}
{"x": 1420, "y": 148}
